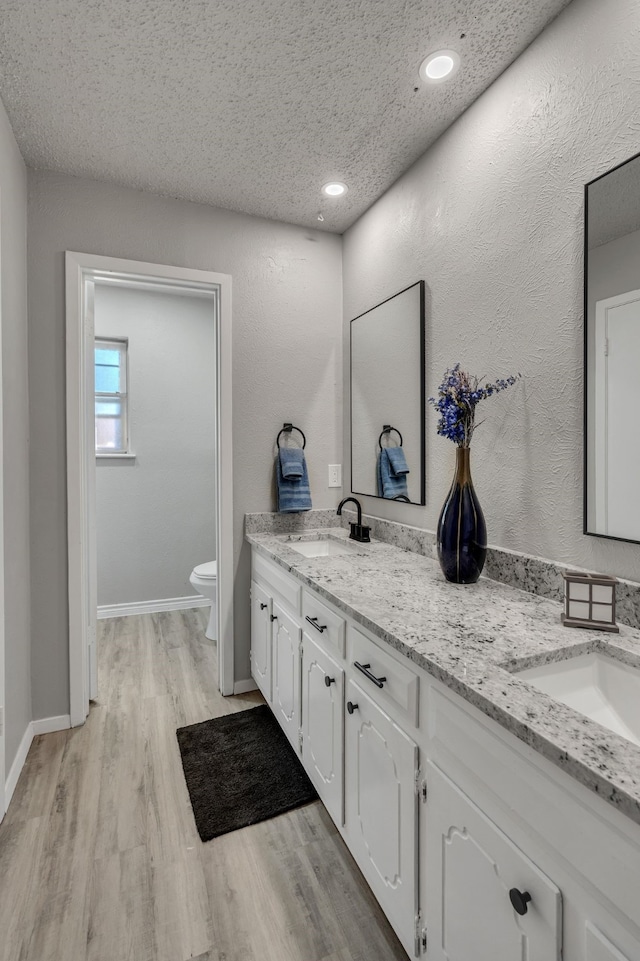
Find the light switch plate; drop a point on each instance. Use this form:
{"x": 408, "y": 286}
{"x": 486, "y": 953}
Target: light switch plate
{"x": 335, "y": 475}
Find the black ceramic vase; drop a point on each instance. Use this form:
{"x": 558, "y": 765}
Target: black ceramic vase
{"x": 462, "y": 532}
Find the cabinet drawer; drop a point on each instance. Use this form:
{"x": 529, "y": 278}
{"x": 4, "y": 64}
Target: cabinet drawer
{"x": 277, "y": 580}
{"x": 322, "y": 624}
{"x": 400, "y": 689}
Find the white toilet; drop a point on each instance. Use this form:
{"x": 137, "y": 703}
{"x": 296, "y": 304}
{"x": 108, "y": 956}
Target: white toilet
{"x": 204, "y": 580}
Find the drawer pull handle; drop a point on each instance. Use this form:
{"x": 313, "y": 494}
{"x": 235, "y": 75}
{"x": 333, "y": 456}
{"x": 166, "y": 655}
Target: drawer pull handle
{"x": 274, "y": 617}
{"x": 519, "y": 900}
{"x": 314, "y": 623}
{"x": 263, "y": 607}
{"x": 364, "y": 668}
{"x": 351, "y": 707}
{"x": 328, "y": 681}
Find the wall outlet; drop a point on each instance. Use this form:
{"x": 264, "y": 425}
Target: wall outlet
{"x": 335, "y": 475}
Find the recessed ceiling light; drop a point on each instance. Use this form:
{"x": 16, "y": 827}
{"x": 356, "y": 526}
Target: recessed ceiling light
{"x": 439, "y": 66}
{"x": 334, "y": 189}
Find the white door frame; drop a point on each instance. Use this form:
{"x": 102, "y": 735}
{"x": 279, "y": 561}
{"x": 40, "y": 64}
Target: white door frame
{"x": 81, "y": 271}
{"x": 601, "y": 403}
{"x": 3, "y": 689}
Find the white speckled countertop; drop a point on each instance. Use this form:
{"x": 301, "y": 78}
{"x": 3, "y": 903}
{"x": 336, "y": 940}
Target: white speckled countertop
{"x": 471, "y": 637}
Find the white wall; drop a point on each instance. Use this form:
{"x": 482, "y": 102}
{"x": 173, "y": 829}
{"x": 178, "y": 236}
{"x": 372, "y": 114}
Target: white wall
{"x": 492, "y": 218}
{"x": 287, "y": 365}
{"x": 614, "y": 268}
{"x": 14, "y": 483}
{"x": 156, "y": 515}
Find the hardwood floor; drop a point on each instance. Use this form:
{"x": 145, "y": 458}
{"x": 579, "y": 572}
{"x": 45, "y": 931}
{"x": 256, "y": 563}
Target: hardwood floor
{"x": 99, "y": 855}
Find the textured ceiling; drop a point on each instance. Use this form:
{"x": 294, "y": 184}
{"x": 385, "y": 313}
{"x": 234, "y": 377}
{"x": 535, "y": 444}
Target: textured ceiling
{"x": 248, "y": 104}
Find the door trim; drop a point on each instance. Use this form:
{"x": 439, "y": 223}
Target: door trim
{"x": 601, "y": 402}
{"x": 4, "y": 798}
{"x": 82, "y": 268}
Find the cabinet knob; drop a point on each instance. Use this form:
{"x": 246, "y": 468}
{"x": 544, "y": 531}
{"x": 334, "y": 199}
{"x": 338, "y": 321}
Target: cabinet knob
{"x": 351, "y": 707}
{"x": 519, "y": 900}
{"x": 263, "y": 607}
{"x": 328, "y": 681}
{"x": 274, "y": 617}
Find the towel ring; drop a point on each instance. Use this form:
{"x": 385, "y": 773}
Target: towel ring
{"x": 286, "y": 429}
{"x": 387, "y": 430}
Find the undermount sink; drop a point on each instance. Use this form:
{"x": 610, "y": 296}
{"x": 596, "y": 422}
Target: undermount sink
{"x": 605, "y": 690}
{"x": 321, "y": 547}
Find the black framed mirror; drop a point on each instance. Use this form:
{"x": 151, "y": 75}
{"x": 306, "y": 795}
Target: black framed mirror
{"x": 612, "y": 353}
{"x": 387, "y": 366}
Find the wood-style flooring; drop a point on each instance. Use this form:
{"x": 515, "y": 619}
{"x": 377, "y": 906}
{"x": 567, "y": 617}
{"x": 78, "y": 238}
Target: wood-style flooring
{"x": 99, "y": 855}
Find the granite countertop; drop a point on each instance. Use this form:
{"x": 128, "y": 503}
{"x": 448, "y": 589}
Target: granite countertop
{"x": 472, "y": 637}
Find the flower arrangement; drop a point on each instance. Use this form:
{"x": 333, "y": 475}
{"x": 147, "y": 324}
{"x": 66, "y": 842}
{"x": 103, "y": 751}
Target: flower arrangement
{"x": 458, "y": 395}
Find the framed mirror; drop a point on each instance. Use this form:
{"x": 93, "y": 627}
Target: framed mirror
{"x": 388, "y": 398}
{"x": 612, "y": 353}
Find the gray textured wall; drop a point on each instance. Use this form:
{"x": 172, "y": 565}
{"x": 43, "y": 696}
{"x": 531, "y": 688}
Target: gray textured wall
{"x": 287, "y": 364}
{"x": 492, "y": 218}
{"x": 15, "y": 438}
{"x": 156, "y": 515}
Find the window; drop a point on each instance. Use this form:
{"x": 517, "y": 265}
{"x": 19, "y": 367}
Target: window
{"x": 112, "y": 436}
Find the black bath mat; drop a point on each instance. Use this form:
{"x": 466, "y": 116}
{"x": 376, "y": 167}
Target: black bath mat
{"x": 240, "y": 769}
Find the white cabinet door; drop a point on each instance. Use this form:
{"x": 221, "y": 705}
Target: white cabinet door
{"x": 261, "y": 639}
{"x": 381, "y": 763}
{"x": 285, "y": 640}
{"x": 471, "y": 869}
{"x": 323, "y": 725}
{"x": 600, "y": 948}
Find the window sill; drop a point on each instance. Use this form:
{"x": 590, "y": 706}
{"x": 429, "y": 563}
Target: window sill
{"x": 113, "y": 459}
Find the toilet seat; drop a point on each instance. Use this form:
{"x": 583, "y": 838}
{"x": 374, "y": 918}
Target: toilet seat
{"x": 210, "y": 569}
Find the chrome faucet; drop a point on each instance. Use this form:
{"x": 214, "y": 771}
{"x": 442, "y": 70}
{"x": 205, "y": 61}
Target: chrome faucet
{"x": 358, "y": 532}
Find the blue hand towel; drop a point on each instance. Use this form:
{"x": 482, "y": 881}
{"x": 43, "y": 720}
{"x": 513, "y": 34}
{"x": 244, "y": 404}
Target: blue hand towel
{"x": 397, "y": 460}
{"x": 293, "y": 492}
{"x": 390, "y": 483}
{"x": 291, "y": 461}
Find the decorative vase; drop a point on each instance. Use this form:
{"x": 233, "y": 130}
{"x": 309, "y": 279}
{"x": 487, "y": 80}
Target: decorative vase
{"x": 462, "y": 532}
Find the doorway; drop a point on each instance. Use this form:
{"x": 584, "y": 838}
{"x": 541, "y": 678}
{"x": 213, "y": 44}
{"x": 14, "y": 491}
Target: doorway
{"x": 85, "y": 274}
{"x": 617, "y": 392}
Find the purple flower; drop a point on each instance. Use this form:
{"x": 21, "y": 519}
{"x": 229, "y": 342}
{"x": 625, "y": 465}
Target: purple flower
{"x": 458, "y": 395}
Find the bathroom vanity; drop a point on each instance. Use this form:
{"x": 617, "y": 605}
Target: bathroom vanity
{"x": 491, "y": 821}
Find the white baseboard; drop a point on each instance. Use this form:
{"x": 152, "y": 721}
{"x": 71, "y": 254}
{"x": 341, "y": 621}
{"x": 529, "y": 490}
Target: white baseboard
{"x": 18, "y": 764}
{"x": 47, "y": 725}
{"x": 44, "y": 725}
{"x": 153, "y": 607}
{"x": 243, "y": 687}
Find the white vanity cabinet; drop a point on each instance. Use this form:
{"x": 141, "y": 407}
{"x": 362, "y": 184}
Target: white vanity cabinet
{"x": 500, "y": 816}
{"x": 285, "y": 669}
{"x": 485, "y": 899}
{"x": 323, "y": 724}
{"x": 381, "y": 773}
{"x": 261, "y": 603}
{"x": 448, "y": 815}
{"x": 275, "y": 642}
